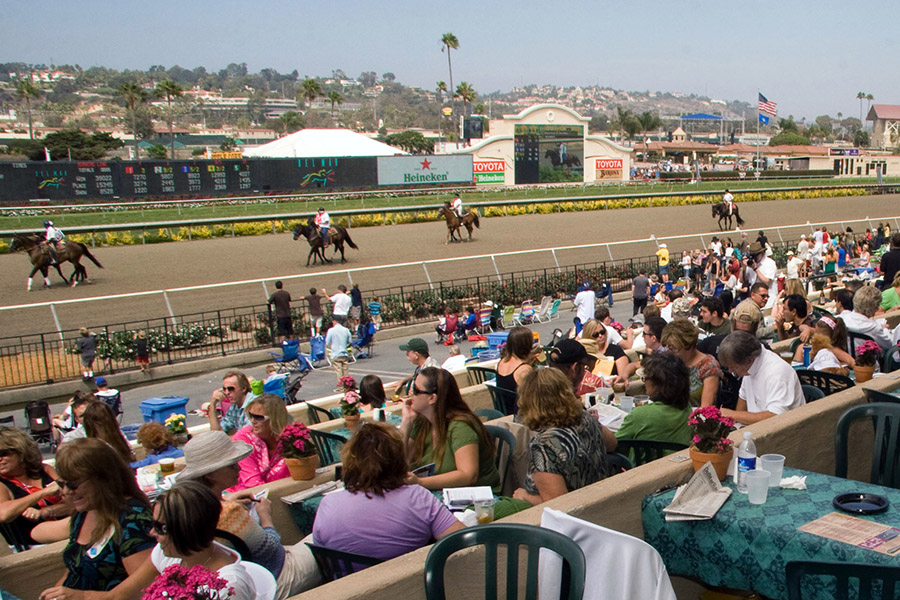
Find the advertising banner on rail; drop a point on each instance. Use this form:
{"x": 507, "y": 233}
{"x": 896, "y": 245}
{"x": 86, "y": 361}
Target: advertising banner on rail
{"x": 489, "y": 171}
{"x": 424, "y": 170}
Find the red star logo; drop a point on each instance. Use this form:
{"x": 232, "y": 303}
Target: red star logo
{"x": 426, "y": 164}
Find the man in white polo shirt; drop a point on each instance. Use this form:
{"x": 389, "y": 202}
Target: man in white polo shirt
{"x": 769, "y": 386}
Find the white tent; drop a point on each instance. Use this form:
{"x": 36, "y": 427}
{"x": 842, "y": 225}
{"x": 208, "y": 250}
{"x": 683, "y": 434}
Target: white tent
{"x": 330, "y": 143}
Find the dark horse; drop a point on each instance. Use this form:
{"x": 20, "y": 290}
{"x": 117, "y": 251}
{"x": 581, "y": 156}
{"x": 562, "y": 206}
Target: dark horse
{"x": 454, "y": 222}
{"x": 570, "y": 160}
{"x": 41, "y": 260}
{"x": 720, "y": 211}
{"x": 337, "y": 235}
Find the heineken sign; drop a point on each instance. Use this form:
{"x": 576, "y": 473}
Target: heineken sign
{"x": 424, "y": 170}
{"x": 489, "y": 171}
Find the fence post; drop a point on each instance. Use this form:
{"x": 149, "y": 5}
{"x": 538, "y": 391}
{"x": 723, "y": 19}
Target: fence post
{"x": 403, "y": 304}
{"x": 108, "y": 348}
{"x": 222, "y": 330}
{"x": 168, "y": 341}
{"x": 46, "y": 364}
{"x": 271, "y": 321}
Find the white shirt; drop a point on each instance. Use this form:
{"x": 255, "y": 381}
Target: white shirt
{"x": 584, "y": 305}
{"x": 818, "y": 237}
{"x": 454, "y": 363}
{"x": 666, "y": 312}
{"x": 323, "y": 219}
{"x": 342, "y": 304}
{"x": 716, "y": 247}
{"x": 793, "y": 267}
{"x": 457, "y": 205}
{"x": 728, "y": 198}
{"x": 235, "y": 574}
{"x": 858, "y": 323}
{"x": 769, "y": 270}
{"x": 824, "y": 359}
{"x": 613, "y": 335}
{"x": 771, "y": 385}
{"x": 803, "y": 250}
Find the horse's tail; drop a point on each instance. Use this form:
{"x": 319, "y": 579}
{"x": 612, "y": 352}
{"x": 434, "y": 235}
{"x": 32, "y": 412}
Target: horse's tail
{"x": 740, "y": 221}
{"x": 348, "y": 240}
{"x": 87, "y": 253}
{"x": 475, "y": 219}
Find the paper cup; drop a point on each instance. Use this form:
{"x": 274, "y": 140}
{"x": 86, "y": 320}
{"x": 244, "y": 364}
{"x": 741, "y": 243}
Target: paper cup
{"x": 626, "y": 403}
{"x": 757, "y": 486}
{"x": 166, "y": 466}
{"x": 774, "y": 464}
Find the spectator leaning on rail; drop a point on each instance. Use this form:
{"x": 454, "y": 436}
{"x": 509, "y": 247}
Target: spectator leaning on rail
{"x": 866, "y": 302}
{"x": 281, "y": 299}
{"x": 341, "y": 301}
{"x": 662, "y": 256}
{"x": 769, "y": 385}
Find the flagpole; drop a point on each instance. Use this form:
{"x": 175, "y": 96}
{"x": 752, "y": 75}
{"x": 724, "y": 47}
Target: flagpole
{"x": 757, "y": 128}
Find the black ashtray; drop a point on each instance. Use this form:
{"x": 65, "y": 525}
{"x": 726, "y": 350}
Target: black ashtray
{"x": 861, "y": 504}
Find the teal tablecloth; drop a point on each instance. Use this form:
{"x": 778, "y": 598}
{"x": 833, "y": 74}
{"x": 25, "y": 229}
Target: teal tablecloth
{"x": 747, "y": 546}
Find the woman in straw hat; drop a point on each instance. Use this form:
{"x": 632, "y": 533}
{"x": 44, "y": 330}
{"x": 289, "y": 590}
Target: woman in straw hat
{"x": 212, "y": 459}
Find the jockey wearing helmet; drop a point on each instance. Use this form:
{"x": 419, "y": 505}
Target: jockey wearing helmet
{"x": 458, "y": 207}
{"x": 55, "y": 239}
{"x": 728, "y": 199}
{"x": 323, "y": 222}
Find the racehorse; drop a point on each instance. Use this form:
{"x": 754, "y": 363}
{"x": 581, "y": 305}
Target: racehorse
{"x": 337, "y": 235}
{"x": 41, "y": 260}
{"x": 569, "y": 161}
{"x": 454, "y": 222}
{"x": 720, "y": 211}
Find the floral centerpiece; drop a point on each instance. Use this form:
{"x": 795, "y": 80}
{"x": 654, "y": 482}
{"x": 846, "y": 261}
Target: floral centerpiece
{"x": 299, "y": 452}
{"x": 709, "y": 440}
{"x": 175, "y": 424}
{"x": 347, "y": 384}
{"x": 349, "y": 404}
{"x": 194, "y": 583}
{"x": 868, "y": 353}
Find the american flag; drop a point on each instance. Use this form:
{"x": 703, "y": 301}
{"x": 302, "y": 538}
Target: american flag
{"x": 766, "y": 106}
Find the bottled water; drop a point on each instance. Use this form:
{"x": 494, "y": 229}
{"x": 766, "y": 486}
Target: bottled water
{"x": 746, "y": 461}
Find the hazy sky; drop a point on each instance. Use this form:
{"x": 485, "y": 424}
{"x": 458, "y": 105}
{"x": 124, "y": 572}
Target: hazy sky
{"x": 810, "y": 57}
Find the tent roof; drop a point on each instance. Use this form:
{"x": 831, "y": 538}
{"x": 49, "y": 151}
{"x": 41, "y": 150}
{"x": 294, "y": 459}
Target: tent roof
{"x": 331, "y": 143}
{"x": 701, "y": 117}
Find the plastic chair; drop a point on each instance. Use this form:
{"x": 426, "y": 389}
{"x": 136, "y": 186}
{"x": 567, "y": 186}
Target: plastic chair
{"x": 239, "y": 545}
{"x": 526, "y": 316}
{"x": 878, "y": 396}
{"x": 488, "y": 414}
{"x": 643, "y": 451}
{"x": 504, "y": 400}
{"x": 263, "y": 580}
{"x": 543, "y": 313}
{"x": 554, "y": 310}
{"x": 287, "y": 360}
{"x": 335, "y": 564}
{"x": 854, "y": 340}
{"x": 508, "y": 321}
{"x": 484, "y": 320}
{"x": 9, "y": 421}
{"x": 842, "y": 572}
{"x": 502, "y": 437}
{"x": 513, "y": 536}
{"x": 328, "y": 446}
{"x": 618, "y": 463}
{"x": 829, "y": 383}
{"x": 892, "y": 360}
{"x": 812, "y": 393}
{"x": 317, "y": 414}
{"x": 480, "y": 374}
{"x": 886, "y": 451}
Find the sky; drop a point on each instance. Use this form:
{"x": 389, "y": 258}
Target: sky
{"x": 810, "y": 57}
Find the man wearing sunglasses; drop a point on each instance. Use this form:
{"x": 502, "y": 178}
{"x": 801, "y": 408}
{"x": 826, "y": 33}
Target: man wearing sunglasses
{"x": 234, "y": 395}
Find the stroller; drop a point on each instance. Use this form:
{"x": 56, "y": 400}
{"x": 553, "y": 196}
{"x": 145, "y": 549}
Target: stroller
{"x": 40, "y": 423}
{"x": 292, "y": 385}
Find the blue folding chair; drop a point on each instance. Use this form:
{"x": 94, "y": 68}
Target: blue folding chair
{"x": 316, "y": 352}
{"x": 365, "y": 339}
{"x": 287, "y": 360}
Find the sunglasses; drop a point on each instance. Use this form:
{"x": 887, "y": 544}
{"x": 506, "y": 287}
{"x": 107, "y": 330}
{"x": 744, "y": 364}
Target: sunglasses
{"x": 4, "y": 452}
{"x": 416, "y": 391}
{"x": 68, "y": 484}
{"x": 257, "y": 418}
{"x": 160, "y": 528}
{"x": 228, "y": 388}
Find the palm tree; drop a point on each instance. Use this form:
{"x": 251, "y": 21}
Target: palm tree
{"x": 310, "y": 90}
{"x": 840, "y": 117}
{"x": 133, "y": 95}
{"x": 869, "y": 98}
{"x": 335, "y": 98}
{"x": 168, "y": 89}
{"x": 449, "y": 41}
{"x": 465, "y": 91}
{"x": 26, "y": 90}
{"x": 441, "y": 89}
{"x": 860, "y": 96}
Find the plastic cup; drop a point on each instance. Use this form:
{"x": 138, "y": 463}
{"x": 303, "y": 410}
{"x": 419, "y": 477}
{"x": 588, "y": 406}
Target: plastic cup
{"x": 774, "y": 464}
{"x": 757, "y": 486}
{"x": 641, "y": 399}
{"x": 166, "y": 465}
{"x": 484, "y": 511}
{"x": 626, "y": 403}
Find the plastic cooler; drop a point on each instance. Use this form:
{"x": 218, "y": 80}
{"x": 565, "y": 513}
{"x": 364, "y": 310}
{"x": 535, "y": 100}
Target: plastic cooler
{"x": 496, "y": 339}
{"x": 160, "y": 409}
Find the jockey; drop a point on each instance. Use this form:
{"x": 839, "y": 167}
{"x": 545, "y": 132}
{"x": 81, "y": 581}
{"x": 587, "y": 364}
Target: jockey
{"x": 458, "y": 207}
{"x": 728, "y": 199}
{"x": 55, "y": 239}
{"x": 323, "y": 222}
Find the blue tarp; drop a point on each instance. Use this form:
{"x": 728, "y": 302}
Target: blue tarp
{"x": 701, "y": 117}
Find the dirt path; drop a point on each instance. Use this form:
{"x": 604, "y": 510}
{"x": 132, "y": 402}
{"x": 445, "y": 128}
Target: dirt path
{"x": 153, "y": 267}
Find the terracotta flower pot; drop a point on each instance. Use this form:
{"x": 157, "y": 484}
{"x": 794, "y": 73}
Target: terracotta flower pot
{"x": 719, "y": 461}
{"x": 863, "y": 373}
{"x": 351, "y": 421}
{"x": 302, "y": 469}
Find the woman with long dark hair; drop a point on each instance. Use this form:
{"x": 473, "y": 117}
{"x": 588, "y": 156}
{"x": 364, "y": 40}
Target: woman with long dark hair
{"x": 100, "y": 422}
{"x": 514, "y": 366}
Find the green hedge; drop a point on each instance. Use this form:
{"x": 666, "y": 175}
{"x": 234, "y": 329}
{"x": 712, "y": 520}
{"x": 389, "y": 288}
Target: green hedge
{"x": 769, "y": 174}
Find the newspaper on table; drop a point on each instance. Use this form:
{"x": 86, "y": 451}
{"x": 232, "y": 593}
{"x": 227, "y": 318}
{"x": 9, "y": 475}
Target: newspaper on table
{"x": 464, "y": 496}
{"x": 699, "y": 499}
{"x": 316, "y": 490}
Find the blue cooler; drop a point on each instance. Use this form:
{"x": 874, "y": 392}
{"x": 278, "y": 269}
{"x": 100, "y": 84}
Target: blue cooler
{"x": 160, "y": 409}
{"x": 496, "y": 339}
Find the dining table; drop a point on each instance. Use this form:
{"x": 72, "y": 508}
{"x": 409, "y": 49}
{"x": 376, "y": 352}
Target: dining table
{"x": 746, "y": 546}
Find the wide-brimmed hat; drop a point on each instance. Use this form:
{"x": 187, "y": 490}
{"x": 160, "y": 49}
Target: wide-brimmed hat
{"x": 756, "y": 248}
{"x": 210, "y": 451}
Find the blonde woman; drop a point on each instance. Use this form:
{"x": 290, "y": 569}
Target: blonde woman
{"x": 268, "y": 418}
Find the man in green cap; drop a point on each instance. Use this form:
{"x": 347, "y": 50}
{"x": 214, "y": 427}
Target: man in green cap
{"x": 417, "y": 353}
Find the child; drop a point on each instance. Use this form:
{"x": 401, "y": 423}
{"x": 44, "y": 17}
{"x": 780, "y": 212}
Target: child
{"x": 143, "y": 354}
{"x": 828, "y": 342}
{"x": 375, "y": 312}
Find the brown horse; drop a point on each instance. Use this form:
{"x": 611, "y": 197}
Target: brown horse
{"x": 41, "y": 260}
{"x": 454, "y": 222}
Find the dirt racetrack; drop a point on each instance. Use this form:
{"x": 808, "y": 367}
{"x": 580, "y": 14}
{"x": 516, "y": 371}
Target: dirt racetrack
{"x": 171, "y": 265}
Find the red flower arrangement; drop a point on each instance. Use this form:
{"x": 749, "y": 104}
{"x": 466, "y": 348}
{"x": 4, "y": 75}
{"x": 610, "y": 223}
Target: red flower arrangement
{"x": 711, "y": 430}
{"x": 194, "y": 583}
{"x": 867, "y": 354}
{"x": 295, "y": 441}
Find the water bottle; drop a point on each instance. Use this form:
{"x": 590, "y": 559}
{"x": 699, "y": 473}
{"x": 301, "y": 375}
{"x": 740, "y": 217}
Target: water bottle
{"x": 746, "y": 461}
{"x": 806, "y": 352}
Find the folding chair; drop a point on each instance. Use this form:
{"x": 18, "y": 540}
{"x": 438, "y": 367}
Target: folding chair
{"x": 9, "y": 421}
{"x": 287, "y": 360}
{"x": 113, "y": 399}
{"x": 508, "y": 319}
{"x": 316, "y": 352}
{"x": 526, "y": 317}
{"x": 554, "y": 310}
{"x": 484, "y": 320}
{"x": 365, "y": 338}
{"x": 543, "y": 313}
{"x": 40, "y": 423}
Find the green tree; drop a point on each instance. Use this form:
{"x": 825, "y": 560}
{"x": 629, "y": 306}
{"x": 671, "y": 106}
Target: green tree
{"x": 449, "y": 42}
{"x": 861, "y": 139}
{"x": 626, "y": 122}
{"x": 468, "y": 95}
{"x": 389, "y": 77}
{"x": 310, "y": 90}
{"x": 869, "y": 98}
{"x": 335, "y": 98}
{"x": 789, "y": 138}
{"x": 79, "y": 145}
{"x": 825, "y": 123}
{"x": 788, "y": 125}
{"x": 133, "y": 95}
{"x": 168, "y": 89}
{"x": 649, "y": 120}
{"x": 368, "y": 78}
{"x": 157, "y": 152}
{"x": 291, "y": 121}
{"x": 28, "y": 91}
{"x": 860, "y": 96}
{"x": 411, "y": 141}
{"x": 228, "y": 144}
{"x": 599, "y": 122}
